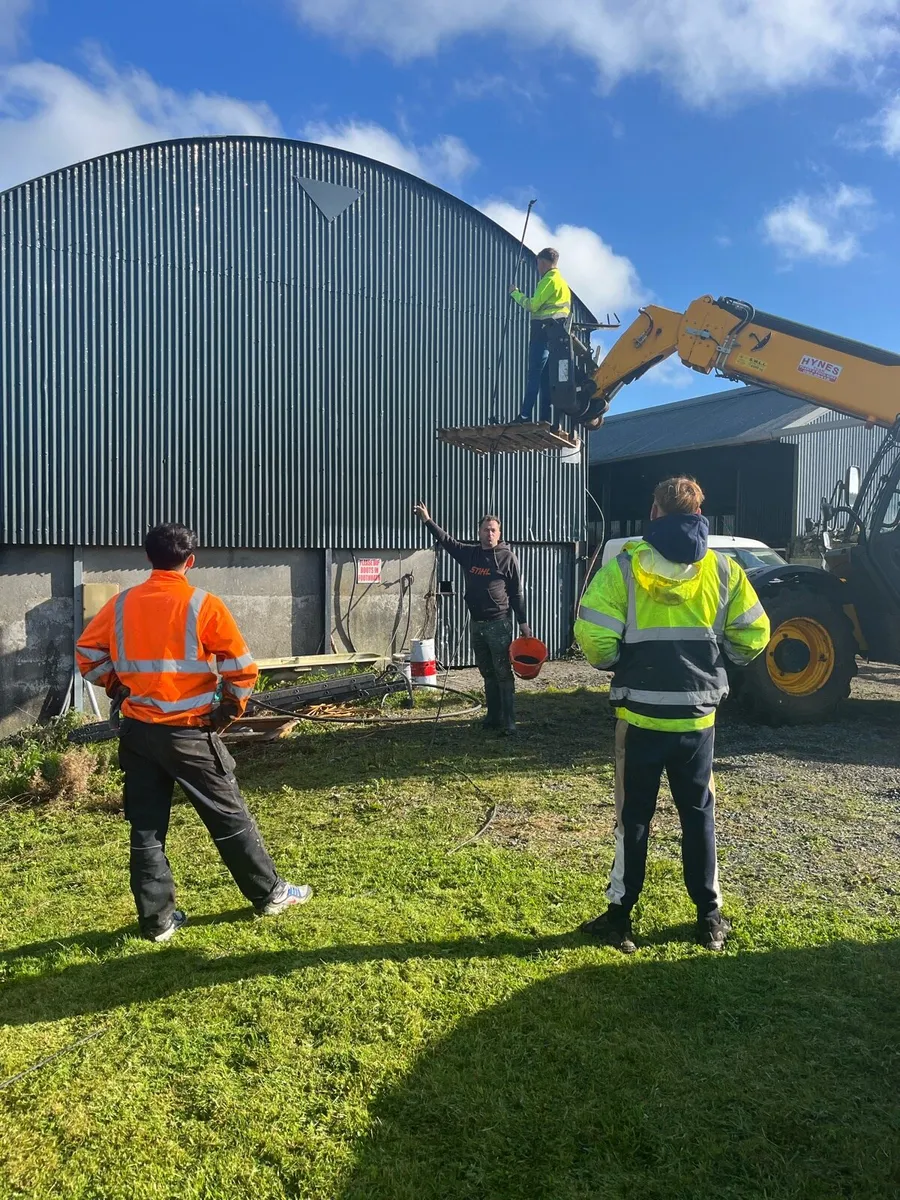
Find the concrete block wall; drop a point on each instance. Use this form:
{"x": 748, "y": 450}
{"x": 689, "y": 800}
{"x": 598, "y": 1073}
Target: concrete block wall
{"x": 383, "y": 617}
{"x": 278, "y": 598}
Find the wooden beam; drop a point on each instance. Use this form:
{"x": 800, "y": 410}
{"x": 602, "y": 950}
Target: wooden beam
{"x": 509, "y": 439}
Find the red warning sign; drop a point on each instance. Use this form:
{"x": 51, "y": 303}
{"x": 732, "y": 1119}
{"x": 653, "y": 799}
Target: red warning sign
{"x": 368, "y": 570}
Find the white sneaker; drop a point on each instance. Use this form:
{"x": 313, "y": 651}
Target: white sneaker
{"x": 178, "y": 919}
{"x": 293, "y": 894}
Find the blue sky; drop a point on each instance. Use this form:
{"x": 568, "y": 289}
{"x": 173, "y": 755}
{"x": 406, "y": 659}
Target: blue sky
{"x": 740, "y": 147}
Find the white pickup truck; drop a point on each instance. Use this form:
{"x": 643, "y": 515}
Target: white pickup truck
{"x": 749, "y": 553}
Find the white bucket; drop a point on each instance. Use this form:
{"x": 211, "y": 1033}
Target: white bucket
{"x": 422, "y": 663}
{"x": 401, "y": 662}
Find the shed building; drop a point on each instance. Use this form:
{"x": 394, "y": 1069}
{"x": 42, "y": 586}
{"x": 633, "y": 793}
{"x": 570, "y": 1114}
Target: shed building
{"x": 259, "y": 337}
{"x": 764, "y": 460}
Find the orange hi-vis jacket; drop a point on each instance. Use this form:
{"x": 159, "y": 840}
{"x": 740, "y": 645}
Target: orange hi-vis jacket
{"x": 168, "y": 643}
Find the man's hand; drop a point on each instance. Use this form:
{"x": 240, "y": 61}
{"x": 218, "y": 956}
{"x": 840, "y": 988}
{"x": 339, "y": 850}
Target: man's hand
{"x": 118, "y": 694}
{"x": 513, "y": 288}
{"x": 525, "y": 631}
{"x": 422, "y": 512}
{"x": 222, "y": 716}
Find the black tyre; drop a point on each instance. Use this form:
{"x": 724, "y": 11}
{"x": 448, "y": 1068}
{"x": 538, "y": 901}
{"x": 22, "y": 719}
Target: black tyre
{"x": 806, "y": 670}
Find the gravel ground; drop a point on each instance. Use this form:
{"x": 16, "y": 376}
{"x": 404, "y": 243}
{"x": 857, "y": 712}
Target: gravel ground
{"x": 811, "y": 811}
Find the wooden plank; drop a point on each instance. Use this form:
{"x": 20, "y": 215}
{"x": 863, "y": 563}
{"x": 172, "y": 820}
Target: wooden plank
{"x": 319, "y": 662}
{"x": 509, "y": 439}
{"x": 259, "y": 729}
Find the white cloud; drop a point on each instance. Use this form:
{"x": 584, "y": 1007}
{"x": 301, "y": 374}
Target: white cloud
{"x": 707, "y": 52}
{"x": 12, "y": 17}
{"x": 887, "y": 124}
{"x": 444, "y": 161}
{"x": 51, "y": 117}
{"x": 825, "y": 228}
{"x": 604, "y": 280}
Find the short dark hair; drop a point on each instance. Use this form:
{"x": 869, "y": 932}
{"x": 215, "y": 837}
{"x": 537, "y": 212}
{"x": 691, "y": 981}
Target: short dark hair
{"x": 169, "y": 545}
{"x": 550, "y": 255}
{"x": 490, "y": 517}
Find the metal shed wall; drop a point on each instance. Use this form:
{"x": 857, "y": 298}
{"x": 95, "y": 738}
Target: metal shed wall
{"x": 825, "y": 449}
{"x": 549, "y": 577}
{"x": 184, "y": 335}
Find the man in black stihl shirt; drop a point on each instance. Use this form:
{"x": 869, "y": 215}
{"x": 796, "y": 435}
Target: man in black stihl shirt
{"x": 493, "y": 596}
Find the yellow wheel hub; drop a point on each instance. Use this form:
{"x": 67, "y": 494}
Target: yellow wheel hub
{"x": 800, "y": 656}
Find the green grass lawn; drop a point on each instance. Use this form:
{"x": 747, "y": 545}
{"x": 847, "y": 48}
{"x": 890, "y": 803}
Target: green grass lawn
{"x": 429, "y": 1026}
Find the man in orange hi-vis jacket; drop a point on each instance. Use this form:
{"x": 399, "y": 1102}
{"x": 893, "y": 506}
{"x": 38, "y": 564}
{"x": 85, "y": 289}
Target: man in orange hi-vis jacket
{"x": 173, "y": 660}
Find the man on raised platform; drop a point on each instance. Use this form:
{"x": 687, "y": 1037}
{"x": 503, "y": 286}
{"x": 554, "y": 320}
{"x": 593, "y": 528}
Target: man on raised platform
{"x": 551, "y": 302}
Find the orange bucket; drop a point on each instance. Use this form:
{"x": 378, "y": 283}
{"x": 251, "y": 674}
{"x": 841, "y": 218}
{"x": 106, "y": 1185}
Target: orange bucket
{"x": 527, "y": 656}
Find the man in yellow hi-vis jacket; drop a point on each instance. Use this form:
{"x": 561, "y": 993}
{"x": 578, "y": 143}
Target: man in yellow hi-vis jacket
{"x": 663, "y": 614}
{"x": 551, "y": 303}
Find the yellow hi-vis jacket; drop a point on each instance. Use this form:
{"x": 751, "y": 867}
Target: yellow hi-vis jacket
{"x": 552, "y": 300}
{"x": 664, "y": 627}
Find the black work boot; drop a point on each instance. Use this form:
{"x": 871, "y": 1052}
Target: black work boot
{"x": 507, "y": 709}
{"x": 712, "y": 932}
{"x": 492, "y": 700}
{"x": 612, "y": 927}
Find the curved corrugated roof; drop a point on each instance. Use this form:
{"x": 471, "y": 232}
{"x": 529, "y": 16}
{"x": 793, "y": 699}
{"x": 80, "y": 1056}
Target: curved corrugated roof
{"x": 260, "y": 337}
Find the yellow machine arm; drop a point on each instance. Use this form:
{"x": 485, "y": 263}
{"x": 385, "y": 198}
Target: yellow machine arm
{"x": 733, "y": 339}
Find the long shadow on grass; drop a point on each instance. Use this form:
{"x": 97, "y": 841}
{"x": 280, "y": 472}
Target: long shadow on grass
{"x": 97, "y": 986}
{"x": 772, "y": 1074}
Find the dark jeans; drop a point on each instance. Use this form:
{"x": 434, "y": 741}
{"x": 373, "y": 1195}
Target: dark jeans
{"x": 490, "y": 645}
{"x": 641, "y": 757}
{"x": 538, "y": 379}
{"x": 155, "y": 758}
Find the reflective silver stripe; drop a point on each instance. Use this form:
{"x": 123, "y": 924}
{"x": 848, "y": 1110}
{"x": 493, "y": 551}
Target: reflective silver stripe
{"x": 605, "y": 663}
{"x": 747, "y": 618}
{"x": 168, "y": 666}
{"x": 232, "y": 835}
{"x": 738, "y": 656}
{"x": 191, "y": 637}
{"x": 241, "y": 693}
{"x": 191, "y": 664}
{"x": 668, "y": 633}
{"x": 120, "y": 628}
{"x": 235, "y": 664}
{"x": 172, "y": 706}
{"x": 97, "y": 673}
{"x": 624, "y": 561}
{"x": 724, "y": 566}
{"x": 594, "y": 617}
{"x": 93, "y": 654}
{"x": 670, "y": 699}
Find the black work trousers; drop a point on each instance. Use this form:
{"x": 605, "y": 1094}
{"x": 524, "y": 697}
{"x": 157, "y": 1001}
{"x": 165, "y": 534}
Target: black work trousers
{"x": 155, "y": 758}
{"x": 687, "y": 758}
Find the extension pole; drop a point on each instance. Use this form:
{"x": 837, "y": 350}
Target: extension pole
{"x": 494, "y": 416}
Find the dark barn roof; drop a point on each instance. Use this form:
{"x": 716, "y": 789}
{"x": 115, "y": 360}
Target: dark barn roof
{"x": 746, "y": 414}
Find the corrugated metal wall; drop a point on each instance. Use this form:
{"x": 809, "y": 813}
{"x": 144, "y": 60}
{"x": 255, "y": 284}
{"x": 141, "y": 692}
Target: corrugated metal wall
{"x": 823, "y": 456}
{"x": 549, "y": 576}
{"x": 185, "y": 336}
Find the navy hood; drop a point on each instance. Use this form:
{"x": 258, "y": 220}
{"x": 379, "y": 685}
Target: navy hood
{"x": 679, "y": 537}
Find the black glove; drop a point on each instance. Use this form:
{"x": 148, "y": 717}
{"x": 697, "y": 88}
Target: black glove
{"x": 223, "y": 715}
{"x": 119, "y": 694}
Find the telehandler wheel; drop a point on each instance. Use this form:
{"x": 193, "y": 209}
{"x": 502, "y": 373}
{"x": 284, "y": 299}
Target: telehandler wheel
{"x": 806, "y": 669}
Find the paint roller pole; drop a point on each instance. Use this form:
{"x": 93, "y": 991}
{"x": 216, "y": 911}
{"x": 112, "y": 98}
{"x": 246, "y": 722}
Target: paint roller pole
{"x": 495, "y": 418}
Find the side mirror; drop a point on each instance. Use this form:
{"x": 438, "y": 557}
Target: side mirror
{"x": 826, "y": 540}
{"x": 851, "y": 485}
